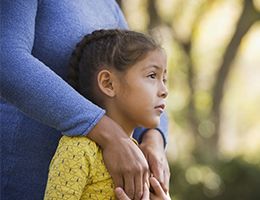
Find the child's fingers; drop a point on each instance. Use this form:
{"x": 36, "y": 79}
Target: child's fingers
{"x": 156, "y": 187}
{"x": 120, "y": 194}
{"x": 146, "y": 192}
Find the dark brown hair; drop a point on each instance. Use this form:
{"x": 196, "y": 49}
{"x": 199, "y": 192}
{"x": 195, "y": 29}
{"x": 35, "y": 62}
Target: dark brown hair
{"x": 114, "y": 48}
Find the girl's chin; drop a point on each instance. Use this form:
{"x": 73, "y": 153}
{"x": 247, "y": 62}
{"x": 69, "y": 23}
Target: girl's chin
{"x": 152, "y": 124}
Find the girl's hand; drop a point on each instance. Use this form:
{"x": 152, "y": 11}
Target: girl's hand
{"x": 159, "y": 193}
{"x": 121, "y": 195}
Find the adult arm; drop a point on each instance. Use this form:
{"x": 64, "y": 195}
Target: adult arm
{"x": 29, "y": 84}
{"x": 152, "y": 148}
{"x": 36, "y": 90}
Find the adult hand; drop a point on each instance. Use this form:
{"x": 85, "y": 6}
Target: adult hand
{"x": 153, "y": 148}
{"x": 124, "y": 160}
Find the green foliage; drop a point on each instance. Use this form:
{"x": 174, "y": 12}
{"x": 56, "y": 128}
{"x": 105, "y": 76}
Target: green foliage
{"x": 236, "y": 180}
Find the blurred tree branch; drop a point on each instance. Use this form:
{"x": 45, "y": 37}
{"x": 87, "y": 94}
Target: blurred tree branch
{"x": 248, "y": 17}
{"x": 119, "y": 3}
{"x": 154, "y": 17}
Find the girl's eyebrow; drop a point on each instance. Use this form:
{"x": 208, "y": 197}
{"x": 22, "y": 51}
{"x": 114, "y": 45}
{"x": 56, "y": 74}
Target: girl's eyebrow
{"x": 156, "y": 67}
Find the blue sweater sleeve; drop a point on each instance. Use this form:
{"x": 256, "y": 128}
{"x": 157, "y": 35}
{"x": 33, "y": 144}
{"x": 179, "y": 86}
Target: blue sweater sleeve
{"x": 162, "y": 128}
{"x": 29, "y": 84}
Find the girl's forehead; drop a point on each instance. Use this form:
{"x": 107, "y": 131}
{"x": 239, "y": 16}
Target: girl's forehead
{"x": 155, "y": 55}
{"x": 156, "y": 58}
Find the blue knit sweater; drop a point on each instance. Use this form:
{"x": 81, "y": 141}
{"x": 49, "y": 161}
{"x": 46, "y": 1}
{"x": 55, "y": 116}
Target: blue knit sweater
{"x": 37, "y": 38}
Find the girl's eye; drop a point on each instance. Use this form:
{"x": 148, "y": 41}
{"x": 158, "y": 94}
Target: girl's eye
{"x": 164, "y": 80}
{"x": 153, "y": 75}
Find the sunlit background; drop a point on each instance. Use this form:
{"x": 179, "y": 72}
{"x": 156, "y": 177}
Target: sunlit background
{"x": 213, "y": 49}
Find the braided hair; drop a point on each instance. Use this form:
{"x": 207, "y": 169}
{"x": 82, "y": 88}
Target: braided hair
{"x": 113, "y": 48}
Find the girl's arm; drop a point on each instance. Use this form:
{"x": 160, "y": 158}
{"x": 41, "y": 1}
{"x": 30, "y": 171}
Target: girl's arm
{"x": 69, "y": 170}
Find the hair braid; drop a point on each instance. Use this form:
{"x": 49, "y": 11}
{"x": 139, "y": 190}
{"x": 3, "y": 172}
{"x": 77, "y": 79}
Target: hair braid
{"x": 74, "y": 63}
{"x": 73, "y": 76}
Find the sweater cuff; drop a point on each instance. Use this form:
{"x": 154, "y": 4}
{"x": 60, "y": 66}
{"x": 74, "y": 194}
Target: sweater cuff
{"x": 140, "y": 132}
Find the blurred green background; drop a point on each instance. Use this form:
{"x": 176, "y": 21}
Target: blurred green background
{"x": 213, "y": 49}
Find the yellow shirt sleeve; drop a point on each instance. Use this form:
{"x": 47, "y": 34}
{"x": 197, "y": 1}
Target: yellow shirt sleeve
{"x": 69, "y": 170}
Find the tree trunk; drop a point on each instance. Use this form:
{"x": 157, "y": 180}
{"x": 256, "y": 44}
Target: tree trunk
{"x": 248, "y": 17}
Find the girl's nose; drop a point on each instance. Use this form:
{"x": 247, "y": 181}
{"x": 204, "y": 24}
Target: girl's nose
{"x": 163, "y": 91}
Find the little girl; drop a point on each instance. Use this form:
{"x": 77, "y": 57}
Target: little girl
{"x": 124, "y": 72}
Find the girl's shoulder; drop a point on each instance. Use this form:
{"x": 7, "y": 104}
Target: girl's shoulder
{"x": 79, "y": 144}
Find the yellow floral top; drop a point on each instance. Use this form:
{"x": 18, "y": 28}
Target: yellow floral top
{"x": 77, "y": 171}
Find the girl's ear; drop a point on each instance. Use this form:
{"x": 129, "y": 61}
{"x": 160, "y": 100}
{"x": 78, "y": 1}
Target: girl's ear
{"x": 106, "y": 83}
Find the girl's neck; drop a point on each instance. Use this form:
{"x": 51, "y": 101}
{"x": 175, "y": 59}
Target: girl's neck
{"x": 125, "y": 125}
{"x": 116, "y": 114}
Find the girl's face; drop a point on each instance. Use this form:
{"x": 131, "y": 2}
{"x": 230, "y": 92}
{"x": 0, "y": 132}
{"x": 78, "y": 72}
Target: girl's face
{"x": 140, "y": 98}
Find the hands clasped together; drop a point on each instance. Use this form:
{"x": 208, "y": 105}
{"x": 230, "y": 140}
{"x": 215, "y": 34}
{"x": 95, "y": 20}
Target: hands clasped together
{"x": 131, "y": 173}
{"x": 157, "y": 194}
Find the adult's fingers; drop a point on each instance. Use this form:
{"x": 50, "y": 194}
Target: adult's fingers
{"x": 118, "y": 180}
{"x": 121, "y": 153}
{"x": 163, "y": 175}
{"x": 146, "y": 178}
{"x": 166, "y": 182}
{"x": 129, "y": 186}
{"x": 140, "y": 178}
{"x": 160, "y": 168}
{"x": 153, "y": 149}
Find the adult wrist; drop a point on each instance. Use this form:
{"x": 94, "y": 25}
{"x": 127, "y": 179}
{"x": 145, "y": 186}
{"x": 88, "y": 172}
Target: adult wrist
{"x": 153, "y": 137}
